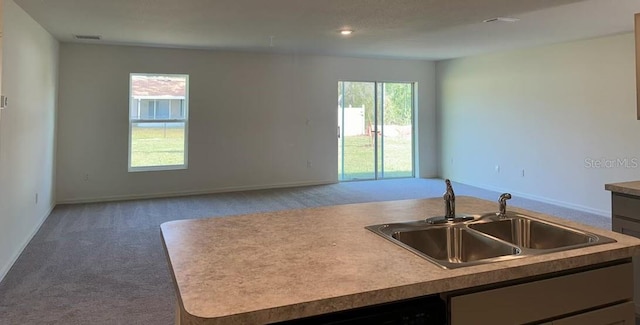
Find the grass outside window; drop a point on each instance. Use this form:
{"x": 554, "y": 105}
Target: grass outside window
{"x": 157, "y": 146}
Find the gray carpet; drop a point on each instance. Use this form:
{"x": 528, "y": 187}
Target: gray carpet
{"x": 103, "y": 263}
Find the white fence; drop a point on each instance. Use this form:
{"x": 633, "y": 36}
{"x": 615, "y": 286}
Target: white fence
{"x": 353, "y": 121}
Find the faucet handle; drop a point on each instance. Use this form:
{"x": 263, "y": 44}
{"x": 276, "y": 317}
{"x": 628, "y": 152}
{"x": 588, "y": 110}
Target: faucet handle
{"x": 502, "y": 201}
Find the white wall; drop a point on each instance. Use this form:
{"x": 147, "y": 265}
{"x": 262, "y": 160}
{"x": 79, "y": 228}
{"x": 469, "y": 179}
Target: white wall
{"x": 545, "y": 110}
{"x": 248, "y": 119}
{"x": 27, "y": 131}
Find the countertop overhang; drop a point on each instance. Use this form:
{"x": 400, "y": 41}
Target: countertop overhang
{"x": 276, "y": 266}
{"x": 630, "y": 188}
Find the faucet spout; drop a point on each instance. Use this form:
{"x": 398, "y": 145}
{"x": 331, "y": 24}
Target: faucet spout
{"x": 449, "y": 202}
{"x": 502, "y": 201}
{"x": 449, "y": 208}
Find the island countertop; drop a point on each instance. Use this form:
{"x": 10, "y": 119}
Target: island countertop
{"x": 276, "y": 266}
{"x": 631, "y": 188}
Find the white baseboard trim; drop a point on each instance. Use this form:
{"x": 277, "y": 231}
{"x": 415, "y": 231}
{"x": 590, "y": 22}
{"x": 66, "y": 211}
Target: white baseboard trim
{"x": 5, "y": 269}
{"x": 189, "y": 193}
{"x": 543, "y": 199}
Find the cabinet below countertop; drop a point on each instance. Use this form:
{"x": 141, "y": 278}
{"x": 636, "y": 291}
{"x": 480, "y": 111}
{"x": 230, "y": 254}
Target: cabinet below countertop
{"x": 586, "y": 295}
{"x": 625, "y": 219}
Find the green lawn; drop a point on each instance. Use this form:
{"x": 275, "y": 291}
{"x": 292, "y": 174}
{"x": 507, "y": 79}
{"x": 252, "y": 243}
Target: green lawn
{"x": 359, "y": 157}
{"x": 160, "y": 146}
{"x": 157, "y": 146}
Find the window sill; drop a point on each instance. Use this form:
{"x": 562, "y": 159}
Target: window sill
{"x": 156, "y": 168}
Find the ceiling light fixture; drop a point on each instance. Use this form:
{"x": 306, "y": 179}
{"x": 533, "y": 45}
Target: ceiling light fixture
{"x": 501, "y": 19}
{"x": 346, "y": 32}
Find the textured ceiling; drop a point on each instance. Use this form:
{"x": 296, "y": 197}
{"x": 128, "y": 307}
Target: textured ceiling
{"x": 423, "y": 29}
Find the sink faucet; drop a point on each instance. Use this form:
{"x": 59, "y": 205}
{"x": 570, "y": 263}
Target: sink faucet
{"x": 449, "y": 202}
{"x": 449, "y": 208}
{"x": 502, "y": 201}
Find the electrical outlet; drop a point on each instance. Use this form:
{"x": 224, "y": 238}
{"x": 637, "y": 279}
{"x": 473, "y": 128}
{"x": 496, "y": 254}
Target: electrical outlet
{"x": 86, "y": 177}
{"x": 309, "y": 164}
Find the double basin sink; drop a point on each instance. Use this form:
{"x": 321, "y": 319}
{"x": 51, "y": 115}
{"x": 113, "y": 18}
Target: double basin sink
{"x": 485, "y": 238}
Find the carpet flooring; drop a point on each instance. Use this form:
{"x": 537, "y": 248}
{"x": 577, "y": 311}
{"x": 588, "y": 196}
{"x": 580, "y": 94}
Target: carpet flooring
{"x": 103, "y": 263}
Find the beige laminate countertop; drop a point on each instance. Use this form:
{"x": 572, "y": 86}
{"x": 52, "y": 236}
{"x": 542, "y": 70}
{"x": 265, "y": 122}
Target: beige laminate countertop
{"x": 275, "y": 266}
{"x": 631, "y": 188}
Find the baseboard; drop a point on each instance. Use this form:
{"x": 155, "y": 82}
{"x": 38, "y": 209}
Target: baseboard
{"x": 543, "y": 199}
{"x": 5, "y": 269}
{"x": 189, "y": 193}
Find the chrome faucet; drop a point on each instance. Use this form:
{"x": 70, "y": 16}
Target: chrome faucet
{"x": 449, "y": 208}
{"x": 449, "y": 202}
{"x": 502, "y": 201}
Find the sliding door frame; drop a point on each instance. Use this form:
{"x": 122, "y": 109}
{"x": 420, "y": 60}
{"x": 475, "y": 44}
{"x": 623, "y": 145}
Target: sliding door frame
{"x": 378, "y": 111}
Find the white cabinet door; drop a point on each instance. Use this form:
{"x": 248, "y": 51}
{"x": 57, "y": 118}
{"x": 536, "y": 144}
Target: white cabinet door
{"x": 621, "y": 314}
{"x": 550, "y": 298}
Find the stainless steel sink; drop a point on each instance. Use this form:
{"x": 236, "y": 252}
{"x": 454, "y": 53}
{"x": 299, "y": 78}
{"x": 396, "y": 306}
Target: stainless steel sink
{"x": 452, "y": 246}
{"x": 534, "y": 234}
{"x": 485, "y": 239}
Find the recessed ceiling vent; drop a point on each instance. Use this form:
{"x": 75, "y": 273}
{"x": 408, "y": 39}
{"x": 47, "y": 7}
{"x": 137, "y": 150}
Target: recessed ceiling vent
{"x": 501, "y": 19}
{"x": 87, "y": 37}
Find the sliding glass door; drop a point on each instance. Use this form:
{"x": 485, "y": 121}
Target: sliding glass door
{"x": 375, "y": 130}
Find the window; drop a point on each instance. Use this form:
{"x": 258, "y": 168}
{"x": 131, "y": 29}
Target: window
{"x": 158, "y": 121}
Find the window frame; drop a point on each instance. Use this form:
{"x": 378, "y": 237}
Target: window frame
{"x": 184, "y": 120}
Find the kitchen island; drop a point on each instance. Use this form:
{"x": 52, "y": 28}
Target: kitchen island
{"x": 279, "y": 266}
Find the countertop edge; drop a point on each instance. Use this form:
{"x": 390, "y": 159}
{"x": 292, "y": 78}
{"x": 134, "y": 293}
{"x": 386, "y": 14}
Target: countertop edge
{"x": 630, "y": 188}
